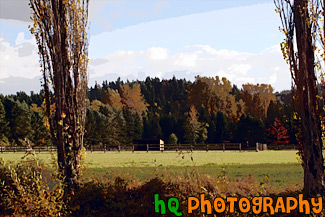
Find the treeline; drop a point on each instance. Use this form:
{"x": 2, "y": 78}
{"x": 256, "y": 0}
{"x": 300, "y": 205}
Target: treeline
{"x": 208, "y": 110}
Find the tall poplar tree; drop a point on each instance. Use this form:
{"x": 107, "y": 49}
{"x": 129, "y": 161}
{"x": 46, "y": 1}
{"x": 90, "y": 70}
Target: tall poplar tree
{"x": 60, "y": 31}
{"x": 303, "y": 23}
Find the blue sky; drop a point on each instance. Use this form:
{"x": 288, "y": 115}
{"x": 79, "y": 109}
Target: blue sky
{"x": 133, "y": 39}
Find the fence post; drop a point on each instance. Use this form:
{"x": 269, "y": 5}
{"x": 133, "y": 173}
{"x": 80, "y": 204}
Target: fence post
{"x": 264, "y": 147}
{"x": 239, "y": 146}
{"x": 132, "y": 148}
{"x": 147, "y": 148}
{"x": 257, "y": 146}
{"x": 223, "y": 147}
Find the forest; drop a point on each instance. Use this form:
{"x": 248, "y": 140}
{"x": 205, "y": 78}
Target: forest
{"x": 70, "y": 115}
{"x": 208, "y": 110}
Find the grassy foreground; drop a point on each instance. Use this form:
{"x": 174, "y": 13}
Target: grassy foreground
{"x": 172, "y": 158}
{"x": 281, "y": 167}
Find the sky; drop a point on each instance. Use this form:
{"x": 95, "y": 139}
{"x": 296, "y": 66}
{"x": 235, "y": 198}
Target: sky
{"x": 133, "y": 39}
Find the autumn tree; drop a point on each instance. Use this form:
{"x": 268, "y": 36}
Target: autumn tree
{"x": 257, "y": 99}
{"x": 195, "y": 131}
{"x": 60, "y": 31}
{"x": 114, "y": 99}
{"x": 132, "y": 99}
{"x": 303, "y": 27}
{"x": 277, "y": 133}
{"x": 215, "y": 95}
{"x": 95, "y": 105}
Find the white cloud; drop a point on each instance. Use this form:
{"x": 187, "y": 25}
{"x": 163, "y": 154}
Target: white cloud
{"x": 20, "y": 59}
{"x": 273, "y": 78}
{"x": 187, "y": 60}
{"x": 158, "y": 53}
{"x": 206, "y": 48}
{"x": 239, "y": 67}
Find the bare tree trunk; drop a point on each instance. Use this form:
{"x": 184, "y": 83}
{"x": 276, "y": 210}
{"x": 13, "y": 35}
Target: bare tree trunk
{"x": 307, "y": 103}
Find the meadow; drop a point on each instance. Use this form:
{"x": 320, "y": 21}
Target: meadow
{"x": 277, "y": 170}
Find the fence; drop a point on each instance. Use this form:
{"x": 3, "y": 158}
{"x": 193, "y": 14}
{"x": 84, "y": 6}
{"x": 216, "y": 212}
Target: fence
{"x": 134, "y": 147}
{"x": 155, "y": 147}
{"x": 174, "y": 147}
{"x": 26, "y": 149}
{"x": 261, "y": 147}
{"x": 204, "y": 147}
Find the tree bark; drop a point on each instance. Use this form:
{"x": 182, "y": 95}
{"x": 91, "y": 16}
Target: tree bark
{"x": 307, "y": 103}
{"x": 60, "y": 31}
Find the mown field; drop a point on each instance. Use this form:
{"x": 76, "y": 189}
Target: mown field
{"x": 279, "y": 170}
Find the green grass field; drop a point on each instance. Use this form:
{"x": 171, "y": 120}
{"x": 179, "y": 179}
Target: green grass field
{"x": 281, "y": 167}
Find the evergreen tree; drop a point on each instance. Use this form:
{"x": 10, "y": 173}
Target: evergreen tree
{"x": 212, "y": 132}
{"x": 221, "y": 127}
{"x": 251, "y": 130}
{"x": 113, "y": 126}
{"x": 3, "y": 124}
{"x": 36, "y": 98}
{"x": 19, "y": 117}
{"x": 133, "y": 126}
{"x": 172, "y": 139}
{"x": 21, "y": 96}
{"x": 167, "y": 124}
{"x": 275, "y": 111}
{"x": 151, "y": 127}
{"x": 94, "y": 127}
{"x": 203, "y": 133}
{"x": 147, "y": 128}
{"x": 40, "y": 133}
